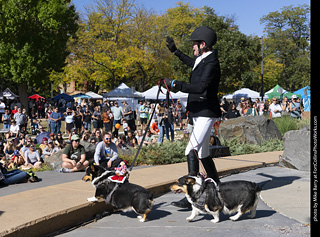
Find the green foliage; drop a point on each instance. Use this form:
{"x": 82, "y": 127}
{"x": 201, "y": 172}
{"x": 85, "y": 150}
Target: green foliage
{"x": 287, "y": 123}
{"x": 289, "y": 33}
{"x": 33, "y": 37}
{"x": 237, "y": 148}
{"x": 160, "y": 154}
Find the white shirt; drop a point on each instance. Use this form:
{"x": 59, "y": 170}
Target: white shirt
{"x": 14, "y": 128}
{"x": 198, "y": 59}
{"x": 274, "y": 107}
{"x": 69, "y": 118}
{"x": 2, "y": 107}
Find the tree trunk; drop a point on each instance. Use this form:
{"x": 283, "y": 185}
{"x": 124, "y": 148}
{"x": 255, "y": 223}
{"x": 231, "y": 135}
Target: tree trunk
{"x": 23, "y": 95}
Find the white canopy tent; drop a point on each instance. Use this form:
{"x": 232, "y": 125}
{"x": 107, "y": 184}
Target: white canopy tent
{"x": 245, "y": 93}
{"x": 94, "y": 95}
{"x": 151, "y": 94}
{"x": 121, "y": 91}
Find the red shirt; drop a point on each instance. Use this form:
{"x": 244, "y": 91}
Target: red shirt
{"x": 13, "y": 112}
{"x": 154, "y": 127}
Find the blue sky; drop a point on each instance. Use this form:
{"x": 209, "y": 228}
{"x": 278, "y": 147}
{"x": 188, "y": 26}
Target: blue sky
{"x": 247, "y": 13}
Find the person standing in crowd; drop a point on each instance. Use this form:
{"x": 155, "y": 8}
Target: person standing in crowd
{"x": 144, "y": 111}
{"x": 232, "y": 112}
{"x": 107, "y": 117}
{"x": 20, "y": 119}
{"x": 6, "y": 119}
{"x": 78, "y": 119}
{"x": 260, "y": 106}
{"x": 127, "y": 114}
{"x": 275, "y": 109}
{"x": 203, "y": 103}
{"x": 69, "y": 121}
{"x": 168, "y": 122}
{"x": 2, "y": 109}
{"x": 116, "y": 110}
{"x": 55, "y": 120}
{"x": 96, "y": 119}
{"x": 160, "y": 116}
{"x": 294, "y": 108}
{"x": 87, "y": 119}
{"x": 252, "y": 111}
{"x": 138, "y": 112}
{"x": 285, "y": 106}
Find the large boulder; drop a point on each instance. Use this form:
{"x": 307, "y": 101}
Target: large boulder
{"x": 55, "y": 160}
{"x": 252, "y": 129}
{"x": 296, "y": 154}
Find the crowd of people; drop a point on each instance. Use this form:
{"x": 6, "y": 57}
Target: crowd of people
{"x": 90, "y": 122}
{"x": 87, "y": 121}
{"x": 275, "y": 108}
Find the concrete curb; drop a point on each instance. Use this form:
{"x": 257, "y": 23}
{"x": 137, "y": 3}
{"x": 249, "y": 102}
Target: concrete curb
{"x": 79, "y": 214}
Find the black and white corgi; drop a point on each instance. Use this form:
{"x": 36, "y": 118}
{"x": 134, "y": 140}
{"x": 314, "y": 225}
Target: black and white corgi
{"x": 123, "y": 197}
{"x": 230, "y": 197}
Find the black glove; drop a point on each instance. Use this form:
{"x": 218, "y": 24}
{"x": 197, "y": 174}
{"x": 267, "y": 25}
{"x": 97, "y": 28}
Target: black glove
{"x": 171, "y": 45}
{"x": 168, "y": 82}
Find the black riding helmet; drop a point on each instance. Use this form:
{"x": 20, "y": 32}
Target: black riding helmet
{"x": 206, "y": 34}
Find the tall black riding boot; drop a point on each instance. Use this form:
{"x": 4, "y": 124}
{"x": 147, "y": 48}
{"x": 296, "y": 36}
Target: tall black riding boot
{"x": 193, "y": 169}
{"x": 193, "y": 163}
{"x": 210, "y": 168}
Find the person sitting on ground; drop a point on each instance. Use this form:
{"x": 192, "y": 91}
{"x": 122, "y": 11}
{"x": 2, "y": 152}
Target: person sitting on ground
{"x": 50, "y": 149}
{"x": 149, "y": 139}
{"x": 106, "y": 153}
{"x": 9, "y": 148}
{"x": 74, "y": 156}
{"x": 12, "y": 177}
{"x": 16, "y": 160}
{"x": 139, "y": 136}
{"x": 14, "y": 129}
{"x": 32, "y": 157}
{"x": 122, "y": 142}
{"x": 154, "y": 128}
{"x": 43, "y": 145}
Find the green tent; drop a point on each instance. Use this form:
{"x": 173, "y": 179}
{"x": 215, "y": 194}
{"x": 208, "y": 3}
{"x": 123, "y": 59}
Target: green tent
{"x": 290, "y": 94}
{"x": 276, "y": 91}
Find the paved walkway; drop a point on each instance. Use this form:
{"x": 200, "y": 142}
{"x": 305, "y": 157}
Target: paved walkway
{"x": 43, "y": 210}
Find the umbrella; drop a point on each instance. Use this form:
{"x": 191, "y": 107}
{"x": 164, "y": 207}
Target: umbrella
{"x": 42, "y": 135}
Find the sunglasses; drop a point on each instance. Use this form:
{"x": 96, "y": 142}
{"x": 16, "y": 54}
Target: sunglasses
{"x": 107, "y": 138}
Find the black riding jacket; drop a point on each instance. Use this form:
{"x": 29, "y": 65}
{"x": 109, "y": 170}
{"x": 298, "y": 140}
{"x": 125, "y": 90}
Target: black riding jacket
{"x": 203, "y": 85}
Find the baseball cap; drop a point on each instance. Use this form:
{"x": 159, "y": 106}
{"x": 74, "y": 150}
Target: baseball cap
{"x": 75, "y": 137}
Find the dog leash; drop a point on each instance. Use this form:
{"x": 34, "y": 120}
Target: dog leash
{"x": 196, "y": 154}
{"x": 147, "y": 127}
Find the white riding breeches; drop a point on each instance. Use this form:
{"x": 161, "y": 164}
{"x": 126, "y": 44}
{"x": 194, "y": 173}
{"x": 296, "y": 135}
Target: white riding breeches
{"x": 200, "y": 136}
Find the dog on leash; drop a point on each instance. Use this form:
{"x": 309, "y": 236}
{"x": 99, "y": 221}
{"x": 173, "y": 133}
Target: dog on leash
{"x": 123, "y": 197}
{"x": 230, "y": 197}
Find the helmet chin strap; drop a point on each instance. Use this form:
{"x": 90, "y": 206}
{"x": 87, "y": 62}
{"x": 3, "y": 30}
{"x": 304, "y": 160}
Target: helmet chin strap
{"x": 200, "y": 50}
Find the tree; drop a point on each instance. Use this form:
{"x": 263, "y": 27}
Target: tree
{"x": 288, "y": 35}
{"x": 33, "y": 37}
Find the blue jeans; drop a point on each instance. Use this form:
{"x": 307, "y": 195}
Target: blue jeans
{"x": 161, "y": 133}
{"x": 14, "y": 176}
{"x": 88, "y": 125}
{"x": 169, "y": 126}
{"x": 55, "y": 127}
{"x": 6, "y": 126}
